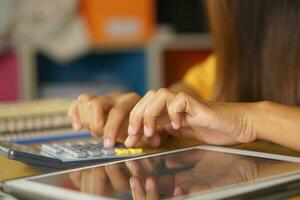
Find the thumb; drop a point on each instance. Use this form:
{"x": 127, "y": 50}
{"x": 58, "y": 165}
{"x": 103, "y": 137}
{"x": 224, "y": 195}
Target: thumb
{"x": 186, "y": 108}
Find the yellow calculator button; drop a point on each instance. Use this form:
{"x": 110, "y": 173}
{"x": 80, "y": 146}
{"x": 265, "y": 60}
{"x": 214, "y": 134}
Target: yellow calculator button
{"x": 135, "y": 150}
{"x": 121, "y": 152}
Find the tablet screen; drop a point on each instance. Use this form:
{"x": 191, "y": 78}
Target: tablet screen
{"x": 184, "y": 173}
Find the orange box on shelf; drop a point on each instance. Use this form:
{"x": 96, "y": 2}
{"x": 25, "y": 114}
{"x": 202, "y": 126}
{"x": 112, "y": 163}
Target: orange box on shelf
{"x": 119, "y": 22}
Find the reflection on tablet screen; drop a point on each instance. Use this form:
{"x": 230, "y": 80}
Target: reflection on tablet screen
{"x": 184, "y": 173}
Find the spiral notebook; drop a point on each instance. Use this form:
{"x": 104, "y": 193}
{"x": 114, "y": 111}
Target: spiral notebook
{"x": 36, "y": 121}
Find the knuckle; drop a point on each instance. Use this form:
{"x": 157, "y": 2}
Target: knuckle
{"x": 134, "y": 95}
{"x": 85, "y": 97}
{"x": 150, "y": 92}
{"x": 171, "y": 109}
{"x": 132, "y": 117}
{"x": 182, "y": 95}
{"x": 95, "y": 105}
{"x": 117, "y": 111}
{"x": 163, "y": 91}
{"x": 148, "y": 114}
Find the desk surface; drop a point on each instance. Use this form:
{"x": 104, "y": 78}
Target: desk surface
{"x": 10, "y": 169}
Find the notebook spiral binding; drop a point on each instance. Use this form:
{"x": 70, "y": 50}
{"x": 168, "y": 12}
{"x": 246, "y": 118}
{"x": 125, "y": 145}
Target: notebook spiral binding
{"x": 28, "y": 118}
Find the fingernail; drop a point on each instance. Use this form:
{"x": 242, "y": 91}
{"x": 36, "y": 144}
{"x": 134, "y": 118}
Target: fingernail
{"x": 93, "y": 133}
{"x": 147, "y": 131}
{"x": 107, "y": 143}
{"x": 177, "y": 191}
{"x": 76, "y": 126}
{"x": 129, "y": 142}
{"x": 131, "y": 130}
{"x": 174, "y": 125}
{"x": 132, "y": 183}
{"x": 148, "y": 185}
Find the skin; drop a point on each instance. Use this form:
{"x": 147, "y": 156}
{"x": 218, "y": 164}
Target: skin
{"x": 182, "y": 114}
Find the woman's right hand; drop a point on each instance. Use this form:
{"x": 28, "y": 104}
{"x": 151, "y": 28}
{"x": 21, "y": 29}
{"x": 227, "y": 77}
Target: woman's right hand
{"x": 104, "y": 116}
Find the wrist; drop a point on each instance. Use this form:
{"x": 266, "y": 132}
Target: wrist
{"x": 259, "y": 118}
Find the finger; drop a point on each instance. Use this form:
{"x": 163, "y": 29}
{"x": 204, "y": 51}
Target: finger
{"x": 136, "y": 115}
{"x": 86, "y": 182}
{"x": 99, "y": 183}
{"x": 154, "y": 108}
{"x": 176, "y": 109}
{"x": 136, "y": 119}
{"x": 76, "y": 178}
{"x": 82, "y": 102}
{"x": 97, "y": 113}
{"x": 117, "y": 178}
{"x": 184, "y": 159}
{"x": 74, "y": 116}
{"x": 151, "y": 189}
{"x": 116, "y": 117}
{"x": 133, "y": 168}
{"x": 147, "y": 165}
{"x": 198, "y": 113}
{"x": 137, "y": 189}
{"x": 154, "y": 141}
{"x": 177, "y": 191}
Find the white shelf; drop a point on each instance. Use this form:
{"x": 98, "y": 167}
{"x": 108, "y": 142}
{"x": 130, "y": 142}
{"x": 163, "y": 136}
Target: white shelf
{"x": 164, "y": 39}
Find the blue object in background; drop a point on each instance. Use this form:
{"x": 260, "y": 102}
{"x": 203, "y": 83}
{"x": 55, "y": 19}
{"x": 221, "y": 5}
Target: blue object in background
{"x": 124, "y": 68}
{"x": 50, "y": 138}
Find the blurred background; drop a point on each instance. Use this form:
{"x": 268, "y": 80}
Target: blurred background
{"x": 62, "y": 48}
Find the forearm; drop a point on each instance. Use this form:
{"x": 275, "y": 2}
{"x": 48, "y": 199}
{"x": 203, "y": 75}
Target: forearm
{"x": 277, "y": 123}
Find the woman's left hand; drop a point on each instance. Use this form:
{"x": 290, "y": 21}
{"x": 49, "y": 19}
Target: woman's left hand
{"x": 184, "y": 116}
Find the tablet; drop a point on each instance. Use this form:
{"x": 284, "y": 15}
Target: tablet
{"x": 200, "y": 172}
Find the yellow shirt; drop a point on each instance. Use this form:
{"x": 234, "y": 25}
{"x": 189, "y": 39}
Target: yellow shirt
{"x": 202, "y": 78}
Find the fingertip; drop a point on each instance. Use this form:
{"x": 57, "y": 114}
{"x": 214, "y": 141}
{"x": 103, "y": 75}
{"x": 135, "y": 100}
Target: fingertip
{"x": 154, "y": 141}
{"x": 132, "y": 182}
{"x": 130, "y": 141}
{"x": 76, "y": 126}
{"x": 148, "y": 184}
{"x": 177, "y": 191}
{"x": 93, "y": 133}
{"x": 175, "y": 125}
{"x": 148, "y": 132}
{"x": 108, "y": 143}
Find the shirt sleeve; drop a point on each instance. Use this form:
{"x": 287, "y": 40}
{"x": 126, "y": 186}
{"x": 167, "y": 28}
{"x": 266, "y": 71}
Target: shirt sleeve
{"x": 202, "y": 78}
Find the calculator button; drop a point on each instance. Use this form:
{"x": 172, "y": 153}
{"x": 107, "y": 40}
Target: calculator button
{"x": 51, "y": 149}
{"x": 121, "y": 151}
{"x": 135, "y": 150}
{"x": 72, "y": 144}
{"x": 61, "y": 147}
{"x": 108, "y": 152}
{"x": 81, "y": 143}
{"x": 77, "y": 153}
{"x": 97, "y": 142}
{"x": 92, "y": 153}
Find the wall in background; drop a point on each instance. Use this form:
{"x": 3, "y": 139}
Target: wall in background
{"x": 9, "y": 76}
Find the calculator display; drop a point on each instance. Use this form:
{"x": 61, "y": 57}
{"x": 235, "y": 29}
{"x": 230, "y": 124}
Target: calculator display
{"x": 185, "y": 173}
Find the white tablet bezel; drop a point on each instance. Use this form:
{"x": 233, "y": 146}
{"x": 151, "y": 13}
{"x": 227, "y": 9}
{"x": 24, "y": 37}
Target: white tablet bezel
{"x": 26, "y": 186}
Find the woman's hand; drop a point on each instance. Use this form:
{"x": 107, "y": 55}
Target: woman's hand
{"x": 105, "y": 115}
{"x": 184, "y": 116}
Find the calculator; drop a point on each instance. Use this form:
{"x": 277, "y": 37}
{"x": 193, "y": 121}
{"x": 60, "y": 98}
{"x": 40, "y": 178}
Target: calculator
{"x": 67, "y": 154}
